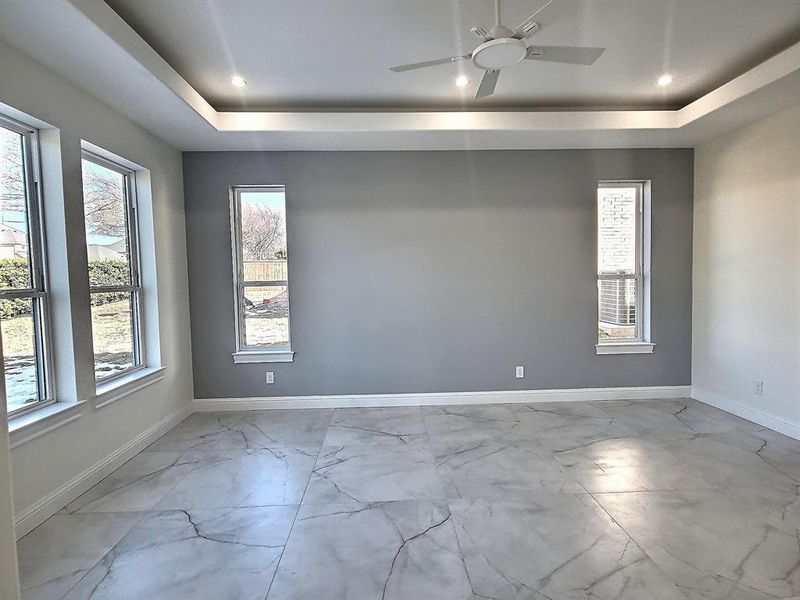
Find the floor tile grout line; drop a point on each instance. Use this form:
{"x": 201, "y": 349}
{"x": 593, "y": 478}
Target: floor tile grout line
{"x": 160, "y": 471}
{"x": 299, "y": 505}
{"x": 635, "y": 541}
{"x": 460, "y": 547}
{"x": 155, "y": 510}
{"x": 142, "y": 515}
{"x": 596, "y": 497}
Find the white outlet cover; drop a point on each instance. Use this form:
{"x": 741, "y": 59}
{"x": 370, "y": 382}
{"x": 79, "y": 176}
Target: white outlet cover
{"x": 270, "y": 377}
{"x": 520, "y": 372}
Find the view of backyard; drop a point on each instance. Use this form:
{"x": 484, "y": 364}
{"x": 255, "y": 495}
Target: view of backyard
{"x": 264, "y": 265}
{"x": 112, "y": 341}
{"x": 267, "y": 316}
{"x": 22, "y": 289}
{"x": 107, "y": 199}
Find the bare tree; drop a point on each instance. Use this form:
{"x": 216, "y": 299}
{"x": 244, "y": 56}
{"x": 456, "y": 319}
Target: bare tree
{"x": 262, "y": 233}
{"x": 12, "y": 172}
{"x": 104, "y": 202}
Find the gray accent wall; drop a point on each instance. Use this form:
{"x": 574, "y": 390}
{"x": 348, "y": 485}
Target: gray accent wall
{"x": 438, "y": 271}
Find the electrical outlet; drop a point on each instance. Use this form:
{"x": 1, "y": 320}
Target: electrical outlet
{"x": 758, "y": 387}
{"x": 270, "y": 377}
{"x": 520, "y": 372}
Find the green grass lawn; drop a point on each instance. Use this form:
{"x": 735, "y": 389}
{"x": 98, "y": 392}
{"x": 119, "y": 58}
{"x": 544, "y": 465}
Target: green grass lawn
{"x": 110, "y": 327}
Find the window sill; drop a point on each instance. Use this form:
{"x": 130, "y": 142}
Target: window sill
{"x": 125, "y": 386}
{"x": 625, "y": 348}
{"x": 263, "y": 356}
{"x": 37, "y": 423}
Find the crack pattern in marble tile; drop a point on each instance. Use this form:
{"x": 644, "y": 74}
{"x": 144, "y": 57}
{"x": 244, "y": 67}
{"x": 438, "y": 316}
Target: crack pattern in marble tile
{"x": 371, "y": 474}
{"x": 248, "y": 430}
{"x": 230, "y": 478}
{"x": 380, "y": 551}
{"x": 553, "y": 546}
{"x": 379, "y": 426}
{"x": 136, "y": 486}
{"x": 214, "y": 555}
{"x": 661, "y": 500}
{"x": 55, "y": 555}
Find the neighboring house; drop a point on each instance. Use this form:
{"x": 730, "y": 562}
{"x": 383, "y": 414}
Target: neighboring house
{"x": 104, "y": 247}
{"x": 13, "y": 242}
{"x": 98, "y": 252}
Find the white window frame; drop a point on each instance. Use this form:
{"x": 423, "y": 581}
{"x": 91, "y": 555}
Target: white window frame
{"x": 640, "y": 343}
{"x": 252, "y": 354}
{"x": 37, "y": 253}
{"x": 134, "y": 262}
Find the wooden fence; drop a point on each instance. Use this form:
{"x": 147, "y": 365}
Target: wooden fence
{"x": 265, "y": 270}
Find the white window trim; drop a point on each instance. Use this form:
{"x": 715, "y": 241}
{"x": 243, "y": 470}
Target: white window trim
{"x": 642, "y": 344}
{"x": 117, "y": 388}
{"x": 34, "y": 424}
{"x": 625, "y": 348}
{"x": 263, "y": 356}
{"x": 39, "y": 291}
{"x": 251, "y": 354}
{"x": 136, "y": 288}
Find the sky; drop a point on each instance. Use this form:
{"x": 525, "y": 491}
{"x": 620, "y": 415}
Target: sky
{"x": 275, "y": 200}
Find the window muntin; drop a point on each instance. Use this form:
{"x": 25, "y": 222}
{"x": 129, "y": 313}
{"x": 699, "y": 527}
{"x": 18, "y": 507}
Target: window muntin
{"x": 23, "y": 283}
{"x": 258, "y": 224}
{"x": 620, "y": 266}
{"x": 115, "y": 285}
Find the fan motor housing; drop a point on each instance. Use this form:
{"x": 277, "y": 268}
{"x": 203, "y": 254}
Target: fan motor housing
{"x": 499, "y": 54}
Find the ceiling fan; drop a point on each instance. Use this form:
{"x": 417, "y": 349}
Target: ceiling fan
{"x": 502, "y": 47}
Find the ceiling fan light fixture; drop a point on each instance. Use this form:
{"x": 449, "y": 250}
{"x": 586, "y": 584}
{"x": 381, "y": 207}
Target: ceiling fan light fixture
{"x": 499, "y": 53}
{"x": 502, "y": 47}
{"x": 664, "y": 80}
{"x": 237, "y": 81}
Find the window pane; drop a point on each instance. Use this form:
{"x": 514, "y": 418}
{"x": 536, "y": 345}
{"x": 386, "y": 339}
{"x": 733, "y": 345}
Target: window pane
{"x": 263, "y": 216}
{"x": 616, "y": 235}
{"x": 106, "y": 224}
{"x": 617, "y": 310}
{"x": 266, "y": 316}
{"x": 113, "y": 333}
{"x": 19, "y": 352}
{"x": 265, "y": 270}
{"x": 15, "y": 272}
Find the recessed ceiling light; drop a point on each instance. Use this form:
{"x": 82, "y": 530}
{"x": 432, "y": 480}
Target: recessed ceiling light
{"x": 664, "y": 80}
{"x": 462, "y": 80}
{"x": 237, "y": 81}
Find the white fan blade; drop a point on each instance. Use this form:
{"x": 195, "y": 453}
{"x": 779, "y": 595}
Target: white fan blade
{"x": 428, "y": 63}
{"x": 488, "y": 83}
{"x": 565, "y": 54}
{"x": 530, "y": 26}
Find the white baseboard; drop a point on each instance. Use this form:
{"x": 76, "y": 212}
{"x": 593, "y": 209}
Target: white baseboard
{"x": 39, "y": 512}
{"x": 445, "y": 398}
{"x": 746, "y": 412}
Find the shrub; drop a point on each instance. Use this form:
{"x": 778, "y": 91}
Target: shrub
{"x": 108, "y": 271}
{"x": 14, "y": 275}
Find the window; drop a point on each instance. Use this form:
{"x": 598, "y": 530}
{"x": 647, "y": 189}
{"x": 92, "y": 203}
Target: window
{"x": 621, "y": 274}
{"x": 112, "y": 247}
{"x": 258, "y": 228}
{"x": 23, "y": 281}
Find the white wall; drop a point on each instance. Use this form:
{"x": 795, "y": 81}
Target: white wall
{"x": 9, "y": 581}
{"x": 746, "y": 276}
{"x": 47, "y": 463}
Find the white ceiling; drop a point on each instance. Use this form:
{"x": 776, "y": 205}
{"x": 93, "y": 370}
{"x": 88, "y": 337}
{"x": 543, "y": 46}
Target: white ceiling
{"x": 89, "y": 44}
{"x": 334, "y": 53}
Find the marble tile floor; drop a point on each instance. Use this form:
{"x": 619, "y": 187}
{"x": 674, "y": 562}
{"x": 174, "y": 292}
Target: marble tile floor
{"x": 630, "y": 500}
